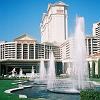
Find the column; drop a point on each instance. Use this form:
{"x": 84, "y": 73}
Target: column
{"x": 96, "y": 67}
{"x": 28, "y": 51}
{"x": 93, "y": 68}
{"x": 91, "y": 47}
{"x": 4, "y": 51}
{"x": 90, "y": 63}
{"x": 63, "y": 67}
{"x": 22, "y": 51}
{"x": 34, "y": 50}
{"x": 44, "y": 51}
{"x": 87, "y": 46}
{"x": 15, "y": 50}
{"x": 69, "y": 68}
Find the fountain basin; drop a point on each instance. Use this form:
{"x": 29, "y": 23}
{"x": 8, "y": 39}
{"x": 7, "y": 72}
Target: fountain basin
{"x": 64, "y": 91}
{"x": 66, "y": 86}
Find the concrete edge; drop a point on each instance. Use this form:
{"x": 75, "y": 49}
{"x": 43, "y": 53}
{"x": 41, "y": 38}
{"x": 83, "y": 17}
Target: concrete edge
{"x": 19, "y": 88}
{"x": 96, "y": 83}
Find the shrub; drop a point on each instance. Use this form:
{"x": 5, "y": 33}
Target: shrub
{"x": 90, "y": 95}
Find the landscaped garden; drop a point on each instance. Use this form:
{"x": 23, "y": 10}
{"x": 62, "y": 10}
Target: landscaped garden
{"x": 4, "y": 85}
{"x": 7, "y": 84}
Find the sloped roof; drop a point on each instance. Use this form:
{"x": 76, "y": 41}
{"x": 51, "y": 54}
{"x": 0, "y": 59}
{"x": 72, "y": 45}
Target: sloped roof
{"x": 24, "y": 37}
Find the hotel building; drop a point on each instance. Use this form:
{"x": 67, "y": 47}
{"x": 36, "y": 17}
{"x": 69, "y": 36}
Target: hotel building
{"x": 96, "y": 33}
{"x": 25, "y": 52}
{"x": 93, "y": 42}
{"x": 93, "y": 46}
{"x": 54, "y": 28}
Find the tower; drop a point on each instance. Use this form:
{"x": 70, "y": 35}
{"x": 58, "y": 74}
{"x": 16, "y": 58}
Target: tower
{"x": 54, "y": 26}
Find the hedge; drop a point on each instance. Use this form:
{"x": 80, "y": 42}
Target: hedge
{"x": 90, "y": 95}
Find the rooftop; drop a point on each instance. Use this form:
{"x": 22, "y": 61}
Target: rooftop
{"x": 24, "y": 37}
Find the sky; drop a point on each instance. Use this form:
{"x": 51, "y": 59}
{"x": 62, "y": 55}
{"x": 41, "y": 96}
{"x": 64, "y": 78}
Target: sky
{"x": 24, "y": 16}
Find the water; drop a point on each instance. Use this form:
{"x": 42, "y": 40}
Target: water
{"x": 42, "y": 70}
{"x": 79, "y": 78}
{"x": 21, "y": 73}
{"x": 32, "y": 73}
{"x": 80, "y": 68}
{"x": 51, "y": 71}
{"x": 13, "y": 72}
{"x": 38, "y": 91}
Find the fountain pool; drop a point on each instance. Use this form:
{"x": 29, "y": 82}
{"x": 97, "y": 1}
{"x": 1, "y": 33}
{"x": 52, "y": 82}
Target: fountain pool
{"x": 41, "y": 93}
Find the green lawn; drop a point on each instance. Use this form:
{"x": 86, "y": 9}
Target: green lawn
{"x": 6, "y": 84}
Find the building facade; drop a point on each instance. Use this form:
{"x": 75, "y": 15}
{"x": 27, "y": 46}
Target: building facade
{"x": 91, "y": 45}
{"x": 24, "y": 47}
{"x": 93, "y": 48}
{"x": 54, "y": 26}
{"x": 25, "y": 52}
{"x": 93, "y": 42}
{"x": 96, "y": 33}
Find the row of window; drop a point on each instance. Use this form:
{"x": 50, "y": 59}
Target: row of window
{"x": 25, "y": 51}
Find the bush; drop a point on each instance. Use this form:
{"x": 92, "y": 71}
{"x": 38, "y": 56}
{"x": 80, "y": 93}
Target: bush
{"x": 90, "y": 95}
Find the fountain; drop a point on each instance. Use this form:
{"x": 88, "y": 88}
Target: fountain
{"x": 42, "y": 80}
{"x": 13, "y": 72}
{"x": 42, "y": 70}
{"x": 79, "y": 78}
{"x": 80, "y": 68}
{"x": 51, "y": 72}
{"x": 32, "y": 75}
{"x": 21, "y": 73}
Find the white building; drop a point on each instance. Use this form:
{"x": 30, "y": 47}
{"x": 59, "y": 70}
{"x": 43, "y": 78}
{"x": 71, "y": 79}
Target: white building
{"x": 96, "y": 32}
{"x": 25, "y": 47}
{"x": 96, "y": 29}
{"x": 54, "y": 26}
{"x": 25, "y": 52}
{"x": 93, "y": 42}
{"x": 66, "y": 49}
{"x": 91, "y": 45}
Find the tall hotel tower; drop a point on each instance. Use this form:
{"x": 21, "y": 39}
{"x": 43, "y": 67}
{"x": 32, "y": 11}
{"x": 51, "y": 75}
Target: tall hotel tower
{"x": 54, "y": 28}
